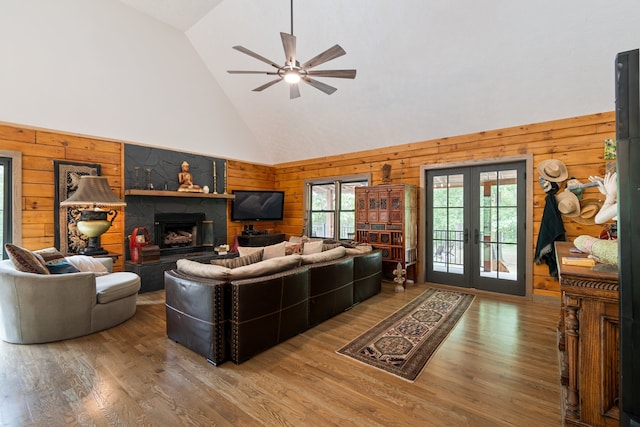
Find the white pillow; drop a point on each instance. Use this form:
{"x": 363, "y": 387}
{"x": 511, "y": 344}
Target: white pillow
{"x": 314, "y": 247}
{"x": 248, "y": 250}
{"x": 87, "y": 263}
{"x": 270, "y": 251}
{"x": 274, "y": 251}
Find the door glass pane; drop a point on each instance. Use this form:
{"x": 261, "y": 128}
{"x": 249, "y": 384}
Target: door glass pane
{"x": 498, "y": 236}
{"x": 448, "y": 223}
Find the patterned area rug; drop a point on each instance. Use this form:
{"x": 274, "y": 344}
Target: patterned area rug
{"x": 403, "y": 343}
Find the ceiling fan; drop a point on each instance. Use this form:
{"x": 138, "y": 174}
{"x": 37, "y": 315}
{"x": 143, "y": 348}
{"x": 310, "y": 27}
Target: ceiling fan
{"x": 292, "y": 72}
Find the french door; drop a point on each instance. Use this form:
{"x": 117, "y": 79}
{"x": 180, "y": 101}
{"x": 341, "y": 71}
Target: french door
{"x": 476, "y": 227}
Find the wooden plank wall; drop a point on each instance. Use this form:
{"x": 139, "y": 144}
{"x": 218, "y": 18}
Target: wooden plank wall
{"x": 578, "y": 142}
{"x": 39, "y": 149}
{"x": 249, "y": 176}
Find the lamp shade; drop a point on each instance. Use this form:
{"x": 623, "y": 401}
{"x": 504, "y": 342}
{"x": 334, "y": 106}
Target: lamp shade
{"x": 95, "y": 191}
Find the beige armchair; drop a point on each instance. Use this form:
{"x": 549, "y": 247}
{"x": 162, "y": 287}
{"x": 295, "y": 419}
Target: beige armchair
{"x": 38, "y": 308}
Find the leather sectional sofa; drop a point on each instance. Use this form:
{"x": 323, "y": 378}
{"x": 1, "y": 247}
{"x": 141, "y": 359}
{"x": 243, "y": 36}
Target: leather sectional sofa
{"x": 237, "y": 319}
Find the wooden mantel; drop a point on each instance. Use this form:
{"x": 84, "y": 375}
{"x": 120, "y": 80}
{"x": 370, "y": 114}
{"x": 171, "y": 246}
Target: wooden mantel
{"x": 162, "y": 193}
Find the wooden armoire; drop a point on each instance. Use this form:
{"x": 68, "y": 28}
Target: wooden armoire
{"x": 386, "y": 218}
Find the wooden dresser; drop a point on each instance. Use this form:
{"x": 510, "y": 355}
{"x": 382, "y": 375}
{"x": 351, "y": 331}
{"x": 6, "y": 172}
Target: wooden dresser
{"x": 588, "y": 343}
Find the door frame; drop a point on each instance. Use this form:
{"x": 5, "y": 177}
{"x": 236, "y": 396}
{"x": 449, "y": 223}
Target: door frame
{"x": 422, "y": 237}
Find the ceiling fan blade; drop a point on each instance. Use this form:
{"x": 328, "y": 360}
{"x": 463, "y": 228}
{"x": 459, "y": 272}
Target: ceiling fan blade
{"x": 343, "y": 74}
{"x": 289, "y": 44}
{"x": 327, "y": 55}
{"x": 319, "y": 85}
{"x": 266, "y": 85}
{"x": 294, "y": 91}
{"x": 269, "y": 73}
{"x": 255, "y": 55}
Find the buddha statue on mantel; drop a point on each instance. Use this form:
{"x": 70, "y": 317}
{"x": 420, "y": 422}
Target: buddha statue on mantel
{"x": 186, "y": 180}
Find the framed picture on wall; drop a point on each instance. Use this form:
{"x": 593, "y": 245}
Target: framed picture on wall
{"x": 67, "y": 175}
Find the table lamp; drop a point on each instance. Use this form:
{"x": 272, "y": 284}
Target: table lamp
{"x": 86, "y": 205}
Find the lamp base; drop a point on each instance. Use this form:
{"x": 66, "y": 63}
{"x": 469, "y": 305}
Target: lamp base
{"x": 93, "y": 247}
{"x": 93, "y": 251}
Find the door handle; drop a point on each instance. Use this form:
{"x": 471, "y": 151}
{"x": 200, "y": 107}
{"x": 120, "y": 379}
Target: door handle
{"x": 476, "y": 236}
{"x": 466, "y": 235}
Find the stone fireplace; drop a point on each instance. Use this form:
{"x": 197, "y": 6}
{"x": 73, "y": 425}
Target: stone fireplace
{"x": 165, "y": 208}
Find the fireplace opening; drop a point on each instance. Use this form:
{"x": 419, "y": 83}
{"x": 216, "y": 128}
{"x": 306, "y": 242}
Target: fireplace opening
{"x": 178, "y": 232}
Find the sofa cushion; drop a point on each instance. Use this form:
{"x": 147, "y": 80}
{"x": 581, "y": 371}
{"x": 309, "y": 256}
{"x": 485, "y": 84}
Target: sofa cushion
{"x": 312, "y": 247}
{"x": 329, "y": 255}
{"x": 115, "y": 286}
{"x": 266, "y": 267}
{"x": 25, "y": 260}
{"x": 239, "y": 261}
{"x": 87, "y": 264}
{"x": 50, "y": 255}
{"x": 199, "y": 269}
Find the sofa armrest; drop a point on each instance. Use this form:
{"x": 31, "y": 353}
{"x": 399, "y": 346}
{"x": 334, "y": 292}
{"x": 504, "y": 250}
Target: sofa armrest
{"x": 197, "y": 314}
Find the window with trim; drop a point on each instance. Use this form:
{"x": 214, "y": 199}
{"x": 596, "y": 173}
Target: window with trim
{"x": 5, "y": 202}
{"x": 10, "y": 197}
{"x": 331, "y": 206}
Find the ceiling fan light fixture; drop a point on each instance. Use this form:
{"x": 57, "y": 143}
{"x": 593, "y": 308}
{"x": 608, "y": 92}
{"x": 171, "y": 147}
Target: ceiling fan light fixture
{"x": 292, "y": 72}
{"x": 292, "y": 77}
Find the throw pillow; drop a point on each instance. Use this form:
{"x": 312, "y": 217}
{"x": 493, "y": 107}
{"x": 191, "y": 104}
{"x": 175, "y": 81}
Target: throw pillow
{"x": 313, "y": 247}
{"x": 329, "y": 255}
{"x": 248, "y": 250}
{"x": 50, "y": 255}
{"x": 199, "y": 269}
{"x": 63, "y": 267}
{"x": 293, "y": 248}
{"x": 24, "y": 260}
{"x": 274, "y": 251}
{"x": 87, "y": 264}
{"x": 239, "y": 261}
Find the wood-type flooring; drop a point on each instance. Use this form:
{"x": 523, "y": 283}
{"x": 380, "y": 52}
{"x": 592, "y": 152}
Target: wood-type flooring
{"x": 498, "y": 367}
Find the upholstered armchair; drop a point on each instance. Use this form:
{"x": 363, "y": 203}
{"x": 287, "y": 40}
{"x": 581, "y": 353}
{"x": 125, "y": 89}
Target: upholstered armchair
{"x": 38, "y": 308}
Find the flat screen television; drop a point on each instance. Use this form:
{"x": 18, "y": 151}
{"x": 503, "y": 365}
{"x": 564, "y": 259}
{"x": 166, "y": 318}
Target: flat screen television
{"x": 257, "y": 205}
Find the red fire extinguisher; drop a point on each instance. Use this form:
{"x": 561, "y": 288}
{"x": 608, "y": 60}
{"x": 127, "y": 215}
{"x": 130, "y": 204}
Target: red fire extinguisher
{"x": 139, "y": 238}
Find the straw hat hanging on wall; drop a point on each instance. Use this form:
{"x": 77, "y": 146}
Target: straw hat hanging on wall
{"x": 589, "y": 208}
{"x": 568, "y": 204}
{"x": 553, "y": 170}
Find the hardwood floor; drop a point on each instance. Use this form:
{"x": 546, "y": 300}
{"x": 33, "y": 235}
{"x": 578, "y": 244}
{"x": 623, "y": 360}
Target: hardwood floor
{"x": 499, "y": 367}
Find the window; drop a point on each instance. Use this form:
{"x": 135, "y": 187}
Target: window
{"x": 331, "y": 202}
{"x": 5, "y": 201}
{"x": 10, "y": 193}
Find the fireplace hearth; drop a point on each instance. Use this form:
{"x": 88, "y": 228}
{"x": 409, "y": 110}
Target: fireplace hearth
{"x": 179, "y": 232}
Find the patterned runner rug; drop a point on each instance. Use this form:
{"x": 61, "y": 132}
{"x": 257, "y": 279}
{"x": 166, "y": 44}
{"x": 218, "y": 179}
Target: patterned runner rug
{"x": 403, "y": 343}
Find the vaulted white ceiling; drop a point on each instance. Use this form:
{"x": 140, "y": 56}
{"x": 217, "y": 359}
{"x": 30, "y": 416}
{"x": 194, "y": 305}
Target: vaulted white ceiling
{"x": 425, "y": 69}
